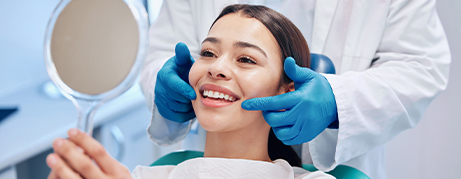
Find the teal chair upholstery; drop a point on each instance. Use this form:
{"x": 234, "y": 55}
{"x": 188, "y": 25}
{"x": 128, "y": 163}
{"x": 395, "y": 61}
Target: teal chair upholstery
{"x": 175, "y": 158}
{"x": 340, "y": 172}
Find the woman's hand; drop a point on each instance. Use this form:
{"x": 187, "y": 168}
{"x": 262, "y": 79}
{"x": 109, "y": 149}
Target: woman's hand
{"x": 73, "y": 158}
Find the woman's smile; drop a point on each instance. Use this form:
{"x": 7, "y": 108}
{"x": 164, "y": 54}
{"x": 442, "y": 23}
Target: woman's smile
{"x": 217, "y": 96}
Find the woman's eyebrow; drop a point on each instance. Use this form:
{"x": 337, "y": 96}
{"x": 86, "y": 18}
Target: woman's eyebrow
{"x": 241, "y": 44}
{"x": 212, "y": 40}
{"x": 238, "y": 44}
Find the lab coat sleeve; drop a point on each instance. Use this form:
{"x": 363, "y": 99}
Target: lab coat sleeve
{"x": 174, "y": 24}
{"x": 410, "y": 70}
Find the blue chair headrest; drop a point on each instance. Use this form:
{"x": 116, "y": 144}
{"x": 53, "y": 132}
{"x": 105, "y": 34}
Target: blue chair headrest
{"x": 322, "y": 64}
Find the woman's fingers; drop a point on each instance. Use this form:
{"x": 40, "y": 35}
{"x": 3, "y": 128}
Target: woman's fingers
{"x": 76, "y": 159}
{"x": 96, "y": 151}
{"x": 59, "y": 168}
{"x": 53, "y": 175}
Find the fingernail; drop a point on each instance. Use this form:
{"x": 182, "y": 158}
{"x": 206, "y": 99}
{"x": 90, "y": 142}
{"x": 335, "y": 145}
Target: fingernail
{"x": 51, "y": 160}
{"x": 73, "y": 132}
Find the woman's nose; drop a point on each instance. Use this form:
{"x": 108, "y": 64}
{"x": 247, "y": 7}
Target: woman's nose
{"x": 219, "y": 75}
{"x": 220, "y": 70}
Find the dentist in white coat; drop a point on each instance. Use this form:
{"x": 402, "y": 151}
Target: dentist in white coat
{"x": 391, "y": 58}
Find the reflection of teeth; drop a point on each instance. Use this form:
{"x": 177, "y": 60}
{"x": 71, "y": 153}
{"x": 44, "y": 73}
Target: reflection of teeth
{"x": 217, "y": 95}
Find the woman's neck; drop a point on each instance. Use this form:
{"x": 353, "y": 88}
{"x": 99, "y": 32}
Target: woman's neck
{"x": 248, "y": 143}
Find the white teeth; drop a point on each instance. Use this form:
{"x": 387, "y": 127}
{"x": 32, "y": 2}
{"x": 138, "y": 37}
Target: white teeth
{"x": 218, "y": 95}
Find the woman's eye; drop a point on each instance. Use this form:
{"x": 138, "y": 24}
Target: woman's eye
{"x": 207, "y": 53}
{"x": 246, "y": 59}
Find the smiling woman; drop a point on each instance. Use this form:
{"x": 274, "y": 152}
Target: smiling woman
{"x": 242, "y": 57}
{"x": 244, "y": 52}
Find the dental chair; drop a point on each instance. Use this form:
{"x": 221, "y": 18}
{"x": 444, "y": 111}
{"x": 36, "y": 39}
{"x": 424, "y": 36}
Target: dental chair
{"x": 319, "y": 63}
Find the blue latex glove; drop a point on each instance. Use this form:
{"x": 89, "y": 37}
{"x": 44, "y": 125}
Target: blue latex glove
{"x": 173, "y": 94}
{"x": 308, "y": 110}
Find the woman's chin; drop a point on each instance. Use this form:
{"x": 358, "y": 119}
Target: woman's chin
{"x": 216, "y": 119}
{"x": 214, "y": 123}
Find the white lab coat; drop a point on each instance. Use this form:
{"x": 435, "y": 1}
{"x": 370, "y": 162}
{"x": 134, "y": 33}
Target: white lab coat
{"x": 391, "y": 57}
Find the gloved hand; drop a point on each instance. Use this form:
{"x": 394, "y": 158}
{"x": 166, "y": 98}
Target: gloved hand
{"x": 307, "y": 111}
{"x": 173, "y": 94}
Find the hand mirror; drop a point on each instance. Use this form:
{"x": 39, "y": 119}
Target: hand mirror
{"x": 94, "y": 51}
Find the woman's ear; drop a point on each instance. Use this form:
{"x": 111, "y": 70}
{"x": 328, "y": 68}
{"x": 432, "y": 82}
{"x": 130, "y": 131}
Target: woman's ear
{"x": 290, "y": 87}
{"x": 287, "y": 88}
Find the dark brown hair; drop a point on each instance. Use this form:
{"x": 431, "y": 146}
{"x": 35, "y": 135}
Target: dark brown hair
{"x": 292, "y": 44}
{"x": 290, "y": 40}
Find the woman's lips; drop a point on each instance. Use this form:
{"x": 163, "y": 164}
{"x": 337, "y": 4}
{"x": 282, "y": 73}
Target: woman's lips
{"x": 215, "y": 103}
{"x": 217, "y": 96}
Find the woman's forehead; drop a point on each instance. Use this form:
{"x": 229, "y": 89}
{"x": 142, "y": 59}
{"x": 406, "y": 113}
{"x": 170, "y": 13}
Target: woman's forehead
{"x": 233, "y": 28}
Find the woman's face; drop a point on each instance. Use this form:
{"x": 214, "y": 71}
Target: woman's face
{"x": 239, "y": 60}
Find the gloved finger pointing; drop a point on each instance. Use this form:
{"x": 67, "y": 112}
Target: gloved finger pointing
{"x": 297, "y": 73}
{"x": 175, "y": 116}
{"x": 168, "y": 94}
{"x": 272, "y": 103}
{"x": 173, "y": 105}
{"x": 176, "y": 84}
{"x": 175, "y": 96}
{"x": 182, "y": 55}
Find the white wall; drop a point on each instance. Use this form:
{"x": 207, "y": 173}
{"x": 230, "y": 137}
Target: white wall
{"x": 22, "y": 34}
{"x": 433, "y": 148}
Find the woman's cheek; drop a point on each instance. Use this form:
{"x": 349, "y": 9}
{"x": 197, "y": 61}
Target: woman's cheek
{"x": 262, "y": 87}
{"x": 194, "y": 75}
